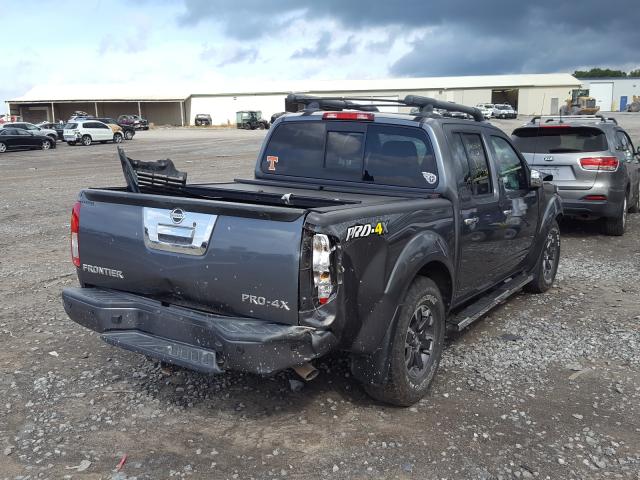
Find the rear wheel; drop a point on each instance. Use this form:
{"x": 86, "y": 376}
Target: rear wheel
{"x": 128, "y": 134}
{"x": 86, "y": 140}
{"x": 3, "y": 147}
{"x": 46, "y": 144}
{"x": 416, "y": 346}
{"x": 545, "y": 271}
{"x": 616, "y": 226}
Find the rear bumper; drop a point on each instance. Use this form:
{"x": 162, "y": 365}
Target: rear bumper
{"x": 573, "y": 203}
{"x": 193, "y": 339}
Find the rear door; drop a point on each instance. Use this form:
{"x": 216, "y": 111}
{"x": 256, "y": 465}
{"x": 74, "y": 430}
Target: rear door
{"x": 626, "y": 153}
{"x": 557, "y": 149}
{"x": 519, "y": 202}
{"x": 26, "y": 139}
{"x": 481, "y": 245}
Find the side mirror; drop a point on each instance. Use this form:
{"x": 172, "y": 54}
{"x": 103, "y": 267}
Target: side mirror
{"x": 537, "y": 179}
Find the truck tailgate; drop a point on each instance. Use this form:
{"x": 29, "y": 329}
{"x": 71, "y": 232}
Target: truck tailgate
{"x": 229, "y": 258}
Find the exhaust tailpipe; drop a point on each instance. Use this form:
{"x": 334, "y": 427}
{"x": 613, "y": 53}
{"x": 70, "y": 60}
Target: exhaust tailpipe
{"x": 306, "y": 371}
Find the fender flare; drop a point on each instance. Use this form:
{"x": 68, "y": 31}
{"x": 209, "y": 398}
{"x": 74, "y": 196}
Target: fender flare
{"x": 421, "y": 250}
{"x": 369, "y": 362}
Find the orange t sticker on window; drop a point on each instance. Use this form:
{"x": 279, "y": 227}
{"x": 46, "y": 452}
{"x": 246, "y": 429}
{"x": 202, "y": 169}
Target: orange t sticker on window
{"x": 271, "y": 160}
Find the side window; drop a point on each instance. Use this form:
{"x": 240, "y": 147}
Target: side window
{"x": 510, "y": 168}
{"x": 625, "y": 145}
{"x": 400, "y": 156}
{"x": 101, "y": 125}
{"x": 469, "y": 152}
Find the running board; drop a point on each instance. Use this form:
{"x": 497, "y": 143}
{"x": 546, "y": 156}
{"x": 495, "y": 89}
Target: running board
{"x": 473, "y": 312}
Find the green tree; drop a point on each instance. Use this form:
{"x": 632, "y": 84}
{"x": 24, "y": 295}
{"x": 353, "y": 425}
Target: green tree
{"x": 598, "y": 72}
{"x": 635, "y": 73}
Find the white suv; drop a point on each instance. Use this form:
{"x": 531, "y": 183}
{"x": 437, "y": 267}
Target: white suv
{"x": 486, "y": 109}
{"x": 89, "y": 131}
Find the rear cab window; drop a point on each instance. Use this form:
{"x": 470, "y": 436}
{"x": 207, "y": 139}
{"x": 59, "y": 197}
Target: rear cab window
{"x": 559, "y": 139}
{"x": 372, "y": 153}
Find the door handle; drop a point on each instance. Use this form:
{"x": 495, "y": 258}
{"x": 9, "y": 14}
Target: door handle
{"x": 471, "y": 221}
{"x": 507, "y": 212}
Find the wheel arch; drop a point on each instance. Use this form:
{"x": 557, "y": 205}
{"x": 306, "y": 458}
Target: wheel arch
{"x": 440, "y": 274}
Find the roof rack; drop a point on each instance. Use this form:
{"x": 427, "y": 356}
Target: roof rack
{"x": 562, "y": 118}
{"x": 425, "y": 104}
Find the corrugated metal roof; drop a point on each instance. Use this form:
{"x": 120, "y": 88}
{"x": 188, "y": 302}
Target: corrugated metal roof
{"x": 111, "y": 92}
{"x": 401, "y": 84}
{"x": 96, "y": 91}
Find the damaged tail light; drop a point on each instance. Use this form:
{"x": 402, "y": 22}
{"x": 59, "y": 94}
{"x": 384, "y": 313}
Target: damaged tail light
{"x": 75, "y": 228}
{"x": 322, "y": 267}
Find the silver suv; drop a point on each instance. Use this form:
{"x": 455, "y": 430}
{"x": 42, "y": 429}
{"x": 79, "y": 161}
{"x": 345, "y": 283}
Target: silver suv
{"x": 592, "y": 161}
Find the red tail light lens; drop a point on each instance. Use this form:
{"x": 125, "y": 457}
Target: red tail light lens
{"x": 595, "y": 198}
{"x": 368, "y": 117}
{"x": 75, "y": 228}
{"x": 605, "y": 164}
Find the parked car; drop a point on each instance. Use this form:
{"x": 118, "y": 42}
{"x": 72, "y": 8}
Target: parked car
{"x": 486, "y": 109}
{"x": 51, "y": 133}
{"x": 57, "y": 126}
{"x": 250, "y": 120}
{"x": 127, "y": 130}
{"x": 366, "y": 224}
{"x": 275, "y": 116}
{"x": 79, "y": 115}
{"x": 18, "y": 138}
{"x": 89, "y": 131}
{"x": 135, "y": 121}
{"x": 504, "y": 110}
{"x": 593, "y": 163}
{"x": 203, "y": 119}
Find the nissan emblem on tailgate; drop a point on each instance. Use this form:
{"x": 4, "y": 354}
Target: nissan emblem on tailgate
{"x": 177, "y": 215}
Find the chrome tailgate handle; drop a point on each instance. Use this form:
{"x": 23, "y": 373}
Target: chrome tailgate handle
{"x": 178, "y": 231}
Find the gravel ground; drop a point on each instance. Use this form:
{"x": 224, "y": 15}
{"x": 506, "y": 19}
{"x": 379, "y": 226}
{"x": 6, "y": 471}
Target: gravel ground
{"x": 544, "y": 386}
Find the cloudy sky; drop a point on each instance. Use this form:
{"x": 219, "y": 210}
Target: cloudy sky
{"x": 213, "y": 43}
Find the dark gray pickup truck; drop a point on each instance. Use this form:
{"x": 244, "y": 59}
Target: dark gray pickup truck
{"x": 366, "y": 232}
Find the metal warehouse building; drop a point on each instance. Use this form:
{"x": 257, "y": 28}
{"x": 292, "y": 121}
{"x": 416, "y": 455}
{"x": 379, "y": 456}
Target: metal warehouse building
{"x": 529, "y": 94}
{"x": 58, "y": 102}
{"x": 613, "y": 94}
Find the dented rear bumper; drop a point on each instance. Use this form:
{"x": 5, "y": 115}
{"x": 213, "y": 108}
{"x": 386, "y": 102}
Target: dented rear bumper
{"x": 194, "y": 339}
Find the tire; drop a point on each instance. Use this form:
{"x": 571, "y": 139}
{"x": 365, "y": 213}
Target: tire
{"x": 546, "y": 267}
{"x": 117, "y": 138}
{"x": 261, "y": 126}
{"x": 3, "y": 147}
{"x": 86, "y": 140}
{"x": 53, "y": 138}
{"x": 128, "y": 135}
{"x": 616, "y": 226}
{"x": 46, "y": 145}
{"x": 71, "y": 143}
{"x": 417, "y": 340}
{"x": 635, "y": 208}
